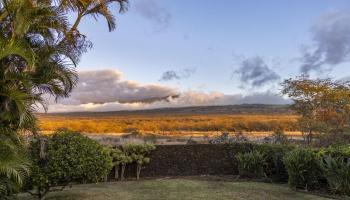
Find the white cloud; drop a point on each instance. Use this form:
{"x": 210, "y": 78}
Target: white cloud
{"x": 105, "y": 90}
{"x": 108, "y": 86}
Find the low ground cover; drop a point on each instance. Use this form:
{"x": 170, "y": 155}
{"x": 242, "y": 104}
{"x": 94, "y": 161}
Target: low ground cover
{"x": 179, "y": 188}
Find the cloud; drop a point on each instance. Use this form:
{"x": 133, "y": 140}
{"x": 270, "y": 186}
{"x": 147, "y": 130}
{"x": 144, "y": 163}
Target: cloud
{"x": 150, "y": 10}
{"x": 331, "y": 42}
{"x": 106, "y": 90}
{"x": 108, "y": 86}
{"x": 188, "y": 98}
{"x": 255, "y": 72}
{"x": 177, "y": 75}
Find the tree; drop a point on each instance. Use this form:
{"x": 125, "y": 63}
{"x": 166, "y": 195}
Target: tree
{"x": 138, "y": 154}
{"x": 119, "y": 159}
{"x": 323, "y": 104}
{"x": 14, "y": 167}
{"x": 69, "y": 157}
{"x": 40, "y": 48}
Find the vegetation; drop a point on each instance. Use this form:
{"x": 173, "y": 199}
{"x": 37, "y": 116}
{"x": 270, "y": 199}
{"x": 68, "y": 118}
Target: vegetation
{"x": 303, "y": 168}
{"x": 119, "y": 159}
{"x": 250, "y": 165}
{"x": 186, "y": 189}
{"x": 337, "y": 173}
{"x": 274, "y": 167}
{"x": 40, "y": 47}
{"x": 279, "y": 137}
{"x": 166, "y": 124}
{"x": 66, "y": 158}
{"x": 138, "y": 154}
{"x": 323, "y": 105}
{"x": 14, "y": 167}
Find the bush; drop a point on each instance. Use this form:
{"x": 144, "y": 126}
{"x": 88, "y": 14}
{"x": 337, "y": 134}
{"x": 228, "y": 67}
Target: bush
{"x": 67, "y": 157}
{"x": 274, "y": 167}
{"x": 303, "y": 168}
{"x": 336, "y": 151}
{"x": 279, "y": 137}
{"x": 337, "y": 173}
{"x": 250, "y": 165}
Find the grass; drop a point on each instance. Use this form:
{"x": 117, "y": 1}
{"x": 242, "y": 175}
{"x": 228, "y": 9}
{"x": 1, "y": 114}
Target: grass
{"x": 179, "y": 188}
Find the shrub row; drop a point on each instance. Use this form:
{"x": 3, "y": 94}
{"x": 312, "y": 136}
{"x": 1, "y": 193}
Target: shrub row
{"x": 67, "y": 157}
{"x": 324, "y": 169}
{"x": 327, "y": 168}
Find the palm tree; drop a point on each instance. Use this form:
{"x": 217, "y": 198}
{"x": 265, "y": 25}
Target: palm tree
{"x": 14, "y": 167}
{"x": 39, "y": 50}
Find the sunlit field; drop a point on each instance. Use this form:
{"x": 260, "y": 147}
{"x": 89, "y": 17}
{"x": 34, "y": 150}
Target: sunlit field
{"x": 166, "y": 124}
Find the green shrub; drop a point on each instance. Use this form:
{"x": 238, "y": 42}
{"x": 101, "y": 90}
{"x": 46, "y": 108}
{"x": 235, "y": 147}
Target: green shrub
{"x": 303, "y": 168}
{"x": 67, "y": 157}
{"x": 274, "y": 167}
{"x": 250, "y": 165}
{"x": 336, "y": 151}
{"x": 337, "y": 173}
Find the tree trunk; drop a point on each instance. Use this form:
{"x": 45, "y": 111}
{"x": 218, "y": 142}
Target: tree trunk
{"x": 122, "y": 172}
{"x": 42, "y": 196}
{"x": 116, "y": 172}
{"x": 138, "y": 171}
{"x": 309, "y": 137}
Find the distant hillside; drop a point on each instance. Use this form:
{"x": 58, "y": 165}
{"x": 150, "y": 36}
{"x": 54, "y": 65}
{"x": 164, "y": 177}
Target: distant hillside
{"x": 202, "y": 110}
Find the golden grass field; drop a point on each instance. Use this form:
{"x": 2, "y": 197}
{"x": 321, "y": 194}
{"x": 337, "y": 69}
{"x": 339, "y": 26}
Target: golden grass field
{"x": 166, "y": 124}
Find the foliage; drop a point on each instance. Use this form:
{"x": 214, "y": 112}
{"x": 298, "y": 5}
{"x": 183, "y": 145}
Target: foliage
{"x": 225, "y": 138}
{"x": 14, "y": 166}
{"x": 334, "y": 139}
{"x": 274, "y": 167}
{"x": 40, "y": 48}
{"x": 139, "y": 154}
{"x": 120, "y": 158}
{"x": 68, "y": 157}
{"x": 279, "y": 137}
{"x": 250, "y": 165}
{"x": 323, "y": 104}
{"x": 335, "y": 151}
{"x": 337, "y": 173}
{"x": 303, "y": 168}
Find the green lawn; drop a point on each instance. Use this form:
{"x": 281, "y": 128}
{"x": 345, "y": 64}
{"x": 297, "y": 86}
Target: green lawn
{"x": 180, "y": 188}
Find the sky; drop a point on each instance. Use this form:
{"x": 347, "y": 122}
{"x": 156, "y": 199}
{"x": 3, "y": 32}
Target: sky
{"x": 167, "y": 53}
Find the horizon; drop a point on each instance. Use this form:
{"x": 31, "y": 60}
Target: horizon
{"x": 163, "y": 108}
{"x": 169, "y": 54}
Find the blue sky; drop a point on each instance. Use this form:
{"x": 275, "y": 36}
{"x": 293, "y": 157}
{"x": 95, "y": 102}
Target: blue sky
{"x": 212, "y": 39}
